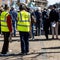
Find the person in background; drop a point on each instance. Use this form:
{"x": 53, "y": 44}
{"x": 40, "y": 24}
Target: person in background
{"x": 59, "y": 23}
{"x": 23, "y": 26}
{"x": 54, "y": 17}
{"x": 59, "y": 15}
{"x": 33, "y": 22}
{"x": 13, "y": 14}
{"x": 46, "y": 23}
{"x": 38, "y": 17}
{"x": 6, "y": 28}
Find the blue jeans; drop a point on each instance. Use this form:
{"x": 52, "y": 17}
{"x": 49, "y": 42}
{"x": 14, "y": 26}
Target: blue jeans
{"x": 14, "y": 28}
{"x": 33, "y": 30}
{"x": 24, "y": 37}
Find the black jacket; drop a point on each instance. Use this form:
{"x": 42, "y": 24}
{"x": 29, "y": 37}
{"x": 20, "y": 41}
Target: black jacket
{"x": 53, "y": 16}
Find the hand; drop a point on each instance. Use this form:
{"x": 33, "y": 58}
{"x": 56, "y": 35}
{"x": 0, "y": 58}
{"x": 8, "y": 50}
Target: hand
{"x": 10, "y": 38}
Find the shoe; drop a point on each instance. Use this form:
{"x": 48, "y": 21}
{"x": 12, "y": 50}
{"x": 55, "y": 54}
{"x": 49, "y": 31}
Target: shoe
{"x": 27, "y": 53}
{"x": 33, "y": 39}
{"x": 46, "y": 38}
{"x": 56, "y": 38}
{"x": 52, "y": 37}
{"x": 22, "y": 53}
{"x": 4, "y": 54}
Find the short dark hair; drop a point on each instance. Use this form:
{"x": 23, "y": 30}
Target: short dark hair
{"x": 6, "y": 7}
{"x": 54, "y": 6}
{"x": 12, "y": 8}
{"x": 22, "y": 7}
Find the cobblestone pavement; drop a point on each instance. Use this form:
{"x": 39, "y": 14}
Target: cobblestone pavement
{"x": 40, "y": 49}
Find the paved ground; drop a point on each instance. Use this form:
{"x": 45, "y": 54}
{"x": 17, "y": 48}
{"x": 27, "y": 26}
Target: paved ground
{"x": 40, "y": 49}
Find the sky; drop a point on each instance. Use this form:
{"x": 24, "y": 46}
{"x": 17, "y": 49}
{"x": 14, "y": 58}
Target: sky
{"x": 50, "y": 2}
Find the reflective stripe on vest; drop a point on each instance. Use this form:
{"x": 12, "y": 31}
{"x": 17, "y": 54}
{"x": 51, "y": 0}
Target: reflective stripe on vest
{"x": 4, "y": 27}
{"x": 23, "y": 22}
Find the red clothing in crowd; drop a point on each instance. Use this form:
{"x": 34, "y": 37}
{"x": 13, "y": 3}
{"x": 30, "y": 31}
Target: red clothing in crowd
{"x": 9, "y": 23}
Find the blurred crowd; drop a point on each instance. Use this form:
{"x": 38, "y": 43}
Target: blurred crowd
{"x": 29, "y": 23}
{"x": 42, "y": 21}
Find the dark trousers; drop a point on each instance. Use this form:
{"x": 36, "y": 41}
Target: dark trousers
{"x": 6, "y": 42}
{"x": 46, "y": 28}
{"x": 24, "y": 37}
{"x": 38, "y": 31}
{"x": 38, "y": 28}
{"x": 46, "y": 32}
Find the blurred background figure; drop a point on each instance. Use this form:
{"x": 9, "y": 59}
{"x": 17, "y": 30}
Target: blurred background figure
{"x": 38, "y": 17}
{"x": 59, "y": 14}
{"x": 33, "y": 22}
{"x": 13, "y": 14}
{"x": 54, "y": 18}
{"x": 46, "y": 23}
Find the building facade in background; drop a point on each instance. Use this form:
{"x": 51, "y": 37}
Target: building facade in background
{"x": 2, "y": 2}
{"x": 40, "y": 3}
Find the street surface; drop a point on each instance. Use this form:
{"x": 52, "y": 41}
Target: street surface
{"x": 40, "y": 49}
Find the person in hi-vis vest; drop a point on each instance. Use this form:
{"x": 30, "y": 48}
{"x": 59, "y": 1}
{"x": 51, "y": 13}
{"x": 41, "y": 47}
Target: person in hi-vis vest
{"x": 23, "y": 26}
{"x": 6, "y": 28}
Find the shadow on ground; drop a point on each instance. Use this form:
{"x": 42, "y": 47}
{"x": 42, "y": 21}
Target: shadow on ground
{"x": 37, "y": 54}
{"x": 33, "y": 40}
{"x": 52, "y": 47}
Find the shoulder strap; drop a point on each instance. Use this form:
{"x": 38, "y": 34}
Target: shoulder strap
{"x": 5, "y": 16}
{"x": 20, "y": 16}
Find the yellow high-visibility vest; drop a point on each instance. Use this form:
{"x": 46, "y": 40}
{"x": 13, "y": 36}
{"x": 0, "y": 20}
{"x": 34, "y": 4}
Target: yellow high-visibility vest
{"x": 4, "y": 27}
{"x": 23, "y": 23}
